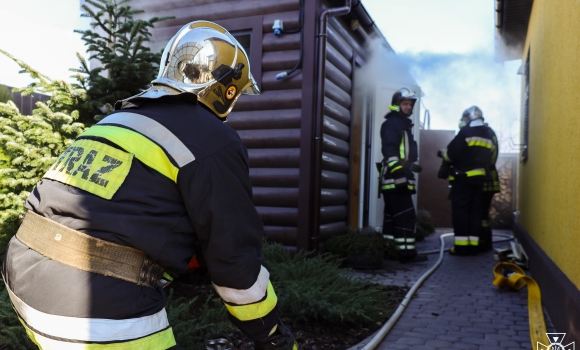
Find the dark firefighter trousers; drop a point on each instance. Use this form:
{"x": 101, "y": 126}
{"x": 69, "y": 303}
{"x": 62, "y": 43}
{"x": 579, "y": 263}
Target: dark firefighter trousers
{"x": 466, "y": 214}
{"x": 485, "y": 237}
{"x": 399, "y": 221}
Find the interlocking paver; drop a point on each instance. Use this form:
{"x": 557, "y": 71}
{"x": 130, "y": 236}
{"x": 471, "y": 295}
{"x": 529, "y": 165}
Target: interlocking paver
{"x": 457, "y": 307}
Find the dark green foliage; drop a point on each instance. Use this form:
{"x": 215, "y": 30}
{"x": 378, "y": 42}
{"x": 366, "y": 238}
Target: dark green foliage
{"x": 5, "y": 94}
{"x": 361, "y": 241}
{"x": 117, "y": 41}
{"x": 313, "y": 288}
{"x": 12, "y": 334}
{"x": 425, "y": 225}
{"x": 31, "y": 144}
{"x": 192, "y": 328}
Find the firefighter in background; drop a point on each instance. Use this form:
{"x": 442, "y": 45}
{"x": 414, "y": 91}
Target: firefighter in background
{"x": 397, "y": 183}
{"x": 151, "y": 187}
{"x": 469, "y": 156}
{"x": 490, "y": 188}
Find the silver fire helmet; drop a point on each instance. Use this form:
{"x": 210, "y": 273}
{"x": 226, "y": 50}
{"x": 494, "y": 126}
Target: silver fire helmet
{"x": 472, "y": 113}
{"x": 204, "y": 59}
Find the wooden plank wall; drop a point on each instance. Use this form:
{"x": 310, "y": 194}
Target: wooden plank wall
{"x": 336, "y": 161}
{"x": 268, "y": 124}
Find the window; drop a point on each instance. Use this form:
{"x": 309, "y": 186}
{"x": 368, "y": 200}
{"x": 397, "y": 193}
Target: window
{"x": 248, "y": 32}
{"x": 244, "y": 38}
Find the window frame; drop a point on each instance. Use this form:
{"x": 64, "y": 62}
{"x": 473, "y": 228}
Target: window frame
{"x": 251, "y": 25}
{"x": 525, "y": 150}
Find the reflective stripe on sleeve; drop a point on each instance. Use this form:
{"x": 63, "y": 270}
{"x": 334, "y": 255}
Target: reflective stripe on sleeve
{"x": 246, "y": 296}
{"x": 256, "y": 310}
{"x": 89, "y": 329}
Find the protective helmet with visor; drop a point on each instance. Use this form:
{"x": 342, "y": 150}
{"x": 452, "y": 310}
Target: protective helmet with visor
{"x": 400, "y": 95}
{"x": 470, "y": 114}
{"x": 203, "y": 59}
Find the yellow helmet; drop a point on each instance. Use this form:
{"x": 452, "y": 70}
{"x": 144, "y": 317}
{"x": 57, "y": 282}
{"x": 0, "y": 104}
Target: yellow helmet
{"x": 204, "y": 59}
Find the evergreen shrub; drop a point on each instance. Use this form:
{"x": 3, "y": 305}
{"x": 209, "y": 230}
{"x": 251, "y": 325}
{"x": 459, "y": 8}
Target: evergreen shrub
{"x": 425, "y": 225}
{"x": 366, "y": 242}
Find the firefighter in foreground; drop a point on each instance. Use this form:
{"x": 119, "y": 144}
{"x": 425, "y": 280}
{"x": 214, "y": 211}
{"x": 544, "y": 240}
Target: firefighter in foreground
{"x": 469, "y": 155}
{"x": 397, "y": 180}
{"x": 151, "y": 187}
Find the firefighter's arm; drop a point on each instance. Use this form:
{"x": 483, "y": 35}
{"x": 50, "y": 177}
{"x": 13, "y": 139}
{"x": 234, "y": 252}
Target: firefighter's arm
{"x": 455, "y": 148}
{"x": 391, "y": 138}
{"x": 218, "y": 196}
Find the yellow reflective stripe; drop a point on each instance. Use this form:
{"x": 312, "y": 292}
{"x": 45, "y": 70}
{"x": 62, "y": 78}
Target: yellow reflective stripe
{"x": 144, "y": 149}
{"x": 479, "y": 142}
{"x": 396, "y": 168}
{"x": 387, "y": 187}
{"x": 159, "y": 340}
{"x": 392, "y": 163}
{"x": 402, "y": 147}
{"x": 451, "y": 178}
{"x": 411, "y": 187}
{"x": 255, "y": 310}
{"x": 461, "y": 240}
{"x": 155, "y": 132}
{"x": 475, "y": 172}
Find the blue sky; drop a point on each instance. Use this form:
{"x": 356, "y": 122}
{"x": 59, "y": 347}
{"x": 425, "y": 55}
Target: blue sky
{"x": 446, "y": 44}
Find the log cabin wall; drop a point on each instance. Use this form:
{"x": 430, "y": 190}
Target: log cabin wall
{"x": 336, "y": 130}
{"x": 277, "y": 126}
{"x": 274, "y": 126}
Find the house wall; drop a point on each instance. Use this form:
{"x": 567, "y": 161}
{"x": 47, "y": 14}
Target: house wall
{"x": 549, "y": 191}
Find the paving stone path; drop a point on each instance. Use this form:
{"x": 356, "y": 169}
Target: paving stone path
{"x": 457, "y": 307}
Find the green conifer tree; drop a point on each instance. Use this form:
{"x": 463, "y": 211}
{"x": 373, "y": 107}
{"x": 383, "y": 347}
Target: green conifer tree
{"x": 117, "y": 41}
{"x": 32, "y": 143}
{"x": 5, "y": 94}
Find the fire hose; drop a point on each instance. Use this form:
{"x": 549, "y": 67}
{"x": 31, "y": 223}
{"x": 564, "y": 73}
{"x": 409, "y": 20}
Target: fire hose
{"x": 506, "y": 275}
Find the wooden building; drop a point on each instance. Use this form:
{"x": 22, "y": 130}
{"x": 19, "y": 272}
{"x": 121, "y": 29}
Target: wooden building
{"x": 312, "y": 137}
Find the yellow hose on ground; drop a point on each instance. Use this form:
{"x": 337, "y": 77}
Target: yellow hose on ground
{"x": 516, "y": 281}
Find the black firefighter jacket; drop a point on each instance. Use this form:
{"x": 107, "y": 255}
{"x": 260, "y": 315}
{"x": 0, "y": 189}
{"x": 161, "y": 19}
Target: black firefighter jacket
{"x": 200, "y": 197}
{"x": 470, "y": 152}
{"x": 399, "y": 150}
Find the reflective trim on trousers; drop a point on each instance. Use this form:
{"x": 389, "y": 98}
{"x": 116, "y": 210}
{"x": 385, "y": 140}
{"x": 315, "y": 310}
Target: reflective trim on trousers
{"x": 405, "y": 247}
{"x": 255, "y": 310}
{"x": 389, "y": 237}
{"x": 462, "y": 240}
{"x": 89, "y": 329}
